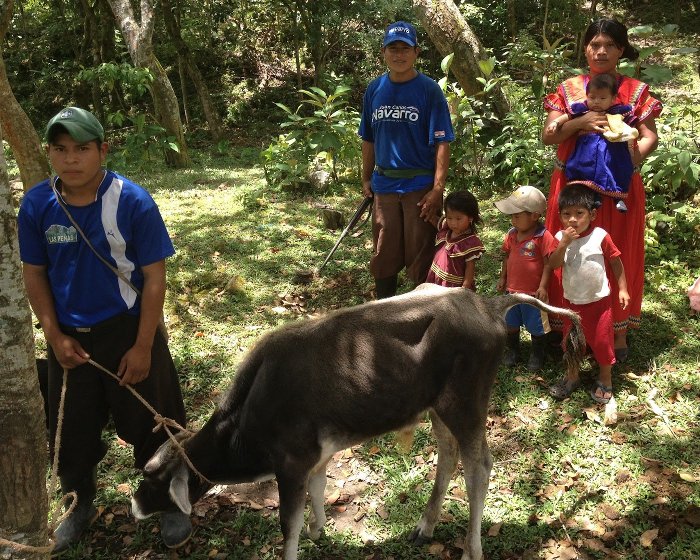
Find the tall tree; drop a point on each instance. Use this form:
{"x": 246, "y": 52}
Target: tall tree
{"x": 450, "y": 33}
{"x": 173, "y": 26}
{"x": 23, "y": 139}
{"x": 23, "y": 501}
{"x": 139, "y": 41}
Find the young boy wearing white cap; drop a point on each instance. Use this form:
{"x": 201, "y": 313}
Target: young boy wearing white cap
{"x": 526, "y": 249}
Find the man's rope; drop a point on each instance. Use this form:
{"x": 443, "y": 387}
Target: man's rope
{"x": 161, "y": 422}
{"x": 52, "y": 487}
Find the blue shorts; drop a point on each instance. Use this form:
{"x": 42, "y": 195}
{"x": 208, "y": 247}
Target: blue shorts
{"x": 527, "y": 316}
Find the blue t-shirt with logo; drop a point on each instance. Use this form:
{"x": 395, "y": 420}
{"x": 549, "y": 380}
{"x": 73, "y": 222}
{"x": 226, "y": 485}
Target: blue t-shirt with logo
{"x": 123, "y": 224}
{"x": 405, "y": 121}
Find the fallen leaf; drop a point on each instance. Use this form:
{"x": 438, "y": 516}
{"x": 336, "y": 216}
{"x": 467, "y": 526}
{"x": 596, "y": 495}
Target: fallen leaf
{"x": 688, "y": 477}
{"x": 333, "y": 497}
{"x": 592, "y": 415}
{"x": 436, "y": 548}
{"x": 647, "y": 462}
{"x": 494, "y": 530}
{"x": 622, "y": 476}
{"x": 124, "y": 488}
{"x": 568, "y": 553}
{"x": 610, "y": 512}
{"x": 648, "y": 537}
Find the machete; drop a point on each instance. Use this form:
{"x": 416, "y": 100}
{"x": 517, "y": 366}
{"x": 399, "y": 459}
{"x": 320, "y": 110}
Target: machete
{"x": 366, "y": 205}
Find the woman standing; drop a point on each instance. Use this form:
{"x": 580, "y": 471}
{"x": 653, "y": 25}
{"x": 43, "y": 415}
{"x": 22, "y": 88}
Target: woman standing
{"x": 605, "y": 43}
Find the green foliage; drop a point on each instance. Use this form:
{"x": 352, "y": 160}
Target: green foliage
{"x": 672, "y": 177}
{"x": 645, "y": 67}
{"x": 124, "y": 77}
{"x": 325, "y": 138}
{"x": 540, "y": 66}
{"x": 504, "y": 152}
{"x": 518, "y": 154}
{"x": 142, "y": 140}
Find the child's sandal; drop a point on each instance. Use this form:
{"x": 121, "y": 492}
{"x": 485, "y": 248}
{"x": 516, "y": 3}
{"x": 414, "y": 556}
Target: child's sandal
{"x": 604, "y": 389}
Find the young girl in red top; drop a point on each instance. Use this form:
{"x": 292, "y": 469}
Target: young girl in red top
{"x": 458, "y": 246}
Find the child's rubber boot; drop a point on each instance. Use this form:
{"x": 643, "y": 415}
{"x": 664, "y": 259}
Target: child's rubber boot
{"x": 512, "y": 354}
{"x": 537, "y": 351}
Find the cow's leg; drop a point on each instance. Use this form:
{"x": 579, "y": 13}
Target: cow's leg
{"x": 316, "y": 488}
{"x": 447, "y": 461}
{"x": 476, "y": 463}
{"x": 292, "y": 493}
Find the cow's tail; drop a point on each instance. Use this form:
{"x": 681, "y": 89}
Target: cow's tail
{"x": 574, "y": 346}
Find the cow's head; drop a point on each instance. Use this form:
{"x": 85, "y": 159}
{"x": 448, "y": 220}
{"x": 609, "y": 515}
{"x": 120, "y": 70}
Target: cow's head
{"x": 167, "y": 484}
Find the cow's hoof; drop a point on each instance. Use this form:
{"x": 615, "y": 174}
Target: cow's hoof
{"x": 314, "y": 534}
{"x": 175, "y": 528}
{"x": 417, "y": 538}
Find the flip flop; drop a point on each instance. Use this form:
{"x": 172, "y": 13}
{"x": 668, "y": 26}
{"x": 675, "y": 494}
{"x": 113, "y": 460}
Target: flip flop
{"x": 621, "y": 354}
{"x": 563, "y": 388}
{"x": 604, "y": 389}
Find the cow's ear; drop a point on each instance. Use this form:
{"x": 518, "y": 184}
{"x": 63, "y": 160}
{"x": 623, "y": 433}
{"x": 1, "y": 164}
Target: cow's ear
{"x": 179, "y": 490}
{"x": 153, "y": 464}
{"x": 162, "y": 455}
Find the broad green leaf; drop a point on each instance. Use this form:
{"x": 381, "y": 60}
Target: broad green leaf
{"x": 284, "y": 108}
{"x": 684, "y": 159}
{"x": 685, "y": 50}
{"x": 487, "y": 66}
{"x": 641, "y": 30}
{"x": 318, "y": 91}
{"x": 657, "y": 73}
{"x": 645, "y": 52}
{"x": 669, "y": 29}
{"x": 447, "y": 62}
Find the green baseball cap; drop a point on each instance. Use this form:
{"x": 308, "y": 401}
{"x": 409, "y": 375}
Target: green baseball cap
{"x": 82, "y": 125}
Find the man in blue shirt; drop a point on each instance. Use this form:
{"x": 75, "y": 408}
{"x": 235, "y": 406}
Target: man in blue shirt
{"x": 89, "y": 310}
{"x": 405, "y": 131}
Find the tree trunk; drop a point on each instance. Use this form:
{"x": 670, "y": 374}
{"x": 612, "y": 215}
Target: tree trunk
{"x": 139, "y": 41}
{"x": 91, "y": 32}
{"x": 23, "y": 139}
{"x": 23, "y": 501}
{"x": 200, "y": 84}
{"x": 450, "y": 33}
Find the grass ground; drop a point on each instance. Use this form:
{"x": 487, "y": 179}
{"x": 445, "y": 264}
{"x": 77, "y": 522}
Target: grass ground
{"x": 564, "y": 485}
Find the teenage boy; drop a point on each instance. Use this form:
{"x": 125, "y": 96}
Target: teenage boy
{"x": 525, "y": 270}
{"x": 585, "y": 253}
{"x": 87, "y": 311}
{"x": 405, "y": 131}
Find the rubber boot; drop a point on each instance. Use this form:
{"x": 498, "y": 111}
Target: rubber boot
{"x": 512, "y": 354}
{"x": 72, "y": 527}
{"x": 175, "y": 528}
{"x": 386, "y": 287}
{"x": 536, "y": 360}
